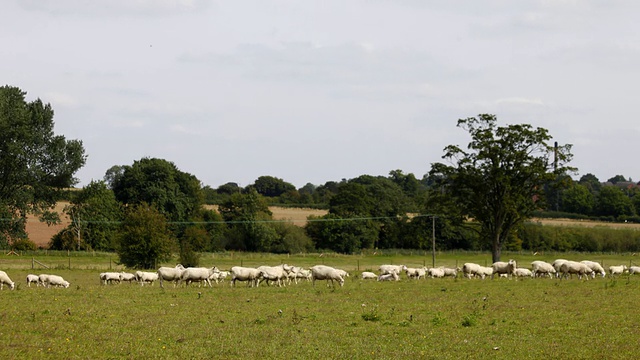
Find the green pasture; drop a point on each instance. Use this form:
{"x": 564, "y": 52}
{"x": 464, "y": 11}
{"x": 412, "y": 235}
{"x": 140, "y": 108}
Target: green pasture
{"x": 424, "y": 319}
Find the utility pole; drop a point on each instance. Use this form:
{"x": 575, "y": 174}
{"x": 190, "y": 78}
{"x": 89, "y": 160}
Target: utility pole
{"x": 433, "y": 241}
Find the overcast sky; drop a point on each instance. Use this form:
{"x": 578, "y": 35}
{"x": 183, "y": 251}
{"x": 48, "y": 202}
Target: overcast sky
{"x": 317, "y": 91}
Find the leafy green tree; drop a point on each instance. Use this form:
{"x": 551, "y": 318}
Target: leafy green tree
{"x": 145, "y": 239}
{"x": 35, "y": 163}
{"x": 178, "y": 195}
{"x": 498, "y": 179}
{"x": 247, "y": 216}
{"x": 272, "y": 187}
{"x": 591, "y": 182}
{"x": 612, "y": 201}
{"x": 578, "y": 199}
{"x": 95, "y": 216}
{"x": 331, "y": 232}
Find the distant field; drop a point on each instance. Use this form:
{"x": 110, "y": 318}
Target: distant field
{"x": 40, "y": 233}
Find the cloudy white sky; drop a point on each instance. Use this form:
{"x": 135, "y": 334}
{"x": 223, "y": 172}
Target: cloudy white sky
{"x": 317, "y": 91}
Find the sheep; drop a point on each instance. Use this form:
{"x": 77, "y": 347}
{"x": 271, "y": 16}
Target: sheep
{"x": 501, "y": 267}
{"x": 4, "y": 279}
{"x": 436, "y": 272}
{"x": 197, "y": 274}
{"x": 451, "y": 271}
{"x": 471, "y": 269}
{"x": 323, "y": 272}
{"x": 146, "y": 277}
{"x": 486, "y": 271}
{"x": 170, "y": 274}
{"x": 57, "y": 281}
{"x": 274, "y": 273}
{"x": 569, "y": 268}
{"x": 522, "y": 272}
{"x": 634, "y": 270}
{"x": 596, "y": 267}
{"x": 124, "y": 276}
{"x": 250, "y": 275}
{"x": 540, "y": 268}
{"x": 391, "y": 276}
{"x": 557, "y": 264}
{"x": 109, "y": 277}
{"x": 368, "y": 275}
{"x": 303, "y": 274}
{"x": 416, "y": 273}
{"x": 31, "y": 278}
{"x": 617, "y": 270}
{"x": 386, "y": 269}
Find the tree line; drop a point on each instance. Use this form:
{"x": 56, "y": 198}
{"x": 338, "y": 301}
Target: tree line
{"x": 479, "y": 198}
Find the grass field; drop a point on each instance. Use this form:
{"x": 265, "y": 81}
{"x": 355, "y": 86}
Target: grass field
{"x": 425, "y": 319}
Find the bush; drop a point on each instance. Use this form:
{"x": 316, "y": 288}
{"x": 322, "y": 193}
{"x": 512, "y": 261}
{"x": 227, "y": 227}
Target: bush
{"x": 23, "y": 245}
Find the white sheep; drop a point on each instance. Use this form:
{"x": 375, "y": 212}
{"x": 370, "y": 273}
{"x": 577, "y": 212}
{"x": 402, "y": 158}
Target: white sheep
{"x": 248, "y": 274}
{"x": 57, "y": 281}
{"x": 617, "y": 270}
{"x": 557, "y": 263}
{"x": 522, "y": 272}
{"x": 110, "y": 277}
{"x": 501, "y": 267}
{"x": 387, "y": 269}
{"x": 568, "y": 268}
{"x": 391, "y": 276}
{"x": 170, "y": 274}
{"x": 634, "y": 270}
{"x": 323, "y": 272}
{"x": 31, "y": 278}
{"x": 368, "y": 275}
{"x": 451, "y": 271}
{"x": 541, "y": 268}
{"x": 4, "y": 279}
{"x": 596, "y": 267}
{"x": 125, "y": 276}
{"x": 436, "y": 272}
{"x": 146, "y": 277}
{"x": 471, "y": 270}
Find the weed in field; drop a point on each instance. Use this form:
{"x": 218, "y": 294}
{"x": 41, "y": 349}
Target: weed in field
{"x": 371, "y": 315}
{"x": 438, "y": 319}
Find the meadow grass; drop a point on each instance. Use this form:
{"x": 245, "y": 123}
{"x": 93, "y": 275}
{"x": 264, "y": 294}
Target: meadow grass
{"x": 424, "y": 319}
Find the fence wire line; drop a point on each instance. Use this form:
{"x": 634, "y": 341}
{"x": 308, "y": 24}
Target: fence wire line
{"x": 256, "y": 221}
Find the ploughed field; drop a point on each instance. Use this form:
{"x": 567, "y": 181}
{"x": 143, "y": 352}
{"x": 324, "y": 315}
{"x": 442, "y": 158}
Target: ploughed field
{"x": 409, "y": 319}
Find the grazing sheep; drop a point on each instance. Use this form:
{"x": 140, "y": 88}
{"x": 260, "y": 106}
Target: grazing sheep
{"x": 368, "y": 275}
{"x": 596, "y": 267}
{"x": 617, "y": 270}
{"x": 250, "y": 275}
{"x": 170, "y": 274}
{"x": 197, "y": 274}
{"x": 31, "y": 278}
{"x": 541, "y": 268}
{"x": 57, "y": 281}
{"x": 557, "y": 264}
{"x": 4, "y": 279}
{"x": 568, "y": 268}
{"x": 501, "y": 267}
{"x": 124, "y": 276}
{"x": 323, "y": 272}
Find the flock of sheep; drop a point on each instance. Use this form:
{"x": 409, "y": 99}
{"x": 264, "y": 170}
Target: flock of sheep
{"x": 283, "y": 274}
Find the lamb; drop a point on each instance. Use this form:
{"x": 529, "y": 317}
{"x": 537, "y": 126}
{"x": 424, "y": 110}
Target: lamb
{"x": 392, "y": 276}
{"x": 368, "y": 275}
{"x": 4, "y": 279}
{"x": 501, "y": 267}
{"x": 31, "y": 278}
{"x": 522, "y": 272}
{"x": 540, "y": 268}
{"x": 323, "y": 272}
{"x": 617, "y": 270}
{"x": 596, "y": 267}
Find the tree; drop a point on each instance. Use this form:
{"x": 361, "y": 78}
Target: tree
{"x": 498, "y": 181}
{"x": 178, "y": 195}
{"x": 591, "y": 182}
{"x": 247, "y": 216}
{"x": 145, "y": 239}
{"x": 612, "y": 201}
{"x": 272, "y": 187}
{"x": 95, "y": 218}
{"x": 617, "y": 179}
{"x": 35, "y": 164}
{"x": 578, "y": 199}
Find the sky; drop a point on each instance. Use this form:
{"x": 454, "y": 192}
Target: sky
{"x": 317, "y": 91}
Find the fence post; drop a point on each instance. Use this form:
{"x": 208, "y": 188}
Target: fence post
{"x": 358, "y": 265}
{"x": 32, "y": 263}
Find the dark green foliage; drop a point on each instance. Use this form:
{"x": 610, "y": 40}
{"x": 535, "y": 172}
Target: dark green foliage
{"x": 95, "y": 219}
{"x": 145, "y": 239}
{"x": 159, "y": 182}
{"x": 536, "y": 237}
{"x": 271, "y": 186}
{"x": 35, "y": 164}
{"x": 498, "y": 179}
{"x": 23, "y": 245}
{"x": 578, "y": 199}
{"x": 612, "y": 201}
{"x": 247, "y": 216}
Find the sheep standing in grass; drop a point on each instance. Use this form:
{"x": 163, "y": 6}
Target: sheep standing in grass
{"x": 568, "y": 268}
{"x": 596, "y": 267}
{"x": 146, "y": 277}
{"x": 368, "y": 275}
{"x": 392, "y": 276}
{"x": 501, "y": 267}
{"x": 4, "y": 279}
{"x": 57, "y": 281}
{"x": 617, "y": 270}
{"x": 387, "y": 269}
{"x": 31, "y": 278}
{"x": 634, "y": 270}
{"x": 541, "y": 268}
{"x": 323, "y": 272}
{"x": 522, "y": 272}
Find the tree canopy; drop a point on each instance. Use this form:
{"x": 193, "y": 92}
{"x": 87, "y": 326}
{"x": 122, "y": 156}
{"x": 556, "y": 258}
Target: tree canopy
{"x": 498, "y": 180}
{"x": 35, "y": 163}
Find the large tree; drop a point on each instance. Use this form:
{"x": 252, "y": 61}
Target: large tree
{"x": 35, "y": 163}
{"x": 498, "y": 180}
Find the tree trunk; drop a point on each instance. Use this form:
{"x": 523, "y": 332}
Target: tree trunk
{"x": 495, "y": 252}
